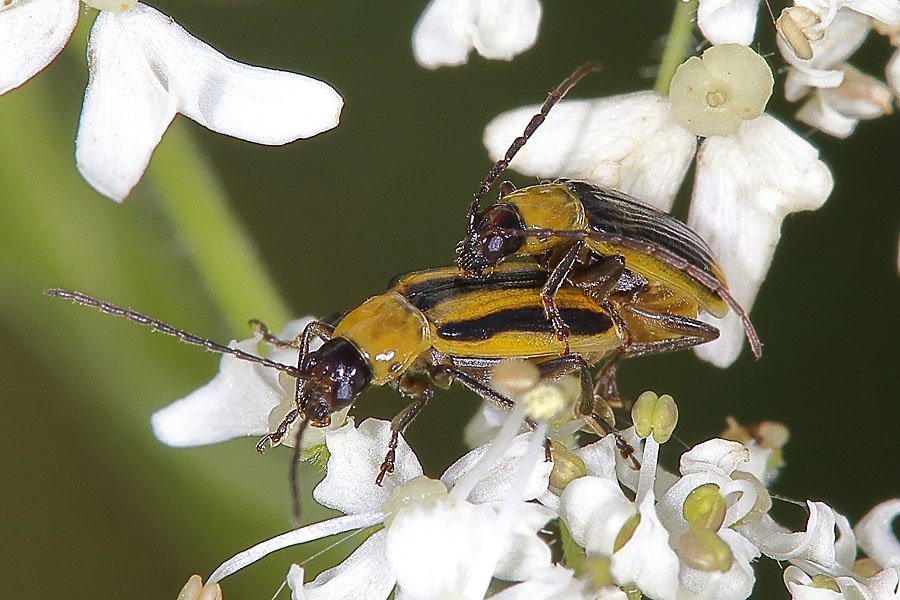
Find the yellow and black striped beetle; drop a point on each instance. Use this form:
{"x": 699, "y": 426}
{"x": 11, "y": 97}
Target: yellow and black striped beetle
{"x": 601, "y": 240}
{"x": 434, "y": 326}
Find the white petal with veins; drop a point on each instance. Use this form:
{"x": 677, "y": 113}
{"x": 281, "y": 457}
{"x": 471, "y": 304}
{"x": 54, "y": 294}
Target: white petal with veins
{"x": 144, "y": 68}
{"x": 32, "y": 33}
{"x": 628, "y": 142}
{"x": 745, "y": 185}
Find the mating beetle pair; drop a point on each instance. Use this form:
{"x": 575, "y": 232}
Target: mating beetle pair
{"x": 613, "y": 278}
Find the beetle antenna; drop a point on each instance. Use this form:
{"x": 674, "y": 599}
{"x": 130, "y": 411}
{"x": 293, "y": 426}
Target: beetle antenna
{"x": 293, "y": 473}
{"x": 555, "y": 96}
{"x": 184, "y": 336}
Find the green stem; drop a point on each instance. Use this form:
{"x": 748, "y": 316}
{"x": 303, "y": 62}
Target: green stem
{"x": 677, "y": 43}
{"x": 222, "y": 252}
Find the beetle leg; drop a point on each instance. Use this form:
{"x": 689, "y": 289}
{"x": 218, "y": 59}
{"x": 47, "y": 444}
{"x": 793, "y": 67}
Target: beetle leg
{"x": 600, "y": 278}
{"x": 418, "y": 388}
{"x": 693, "y": 333}
{"x": 594, "y": 409}
{"x": 548, "y": 292}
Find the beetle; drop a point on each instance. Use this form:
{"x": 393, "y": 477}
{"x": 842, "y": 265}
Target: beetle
{"x": 593, "y": 237}
{"x": 432, "y": 327}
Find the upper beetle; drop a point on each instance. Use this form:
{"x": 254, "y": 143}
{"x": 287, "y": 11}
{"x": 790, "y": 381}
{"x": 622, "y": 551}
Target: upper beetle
{"x": 599, "y": 239}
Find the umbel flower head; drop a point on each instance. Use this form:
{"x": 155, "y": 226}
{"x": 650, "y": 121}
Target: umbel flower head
{"x": 144, "y": 68}
{"x": 695, "y": 533}
{"x": 751, "y": 170}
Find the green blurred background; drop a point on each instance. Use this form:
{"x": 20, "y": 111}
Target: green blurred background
{"x": 94, "y": 507}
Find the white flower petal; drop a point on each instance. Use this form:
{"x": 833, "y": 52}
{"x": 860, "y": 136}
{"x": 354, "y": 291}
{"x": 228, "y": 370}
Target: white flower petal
{"x": 496, "y": 484}
{"x": 364, "y": 575}
{"x": 235, "y": 403}
{"x": 892, "y": 72}
{"x": 647, "y": 560}
{"x": 728, "y": 21}
{"x": 745, "y": 185}
{"x": 716, "y": 455}
{"x": 555, "y": 583}
{"x": 498, "y": 29}
{"x": 594, "y": 510}
{"x": 356, "y": 457}
{"x": 816, "y": 112}
{"x": 629, "y": 142}
{"x": 600, "y": 458}
{"x": 32, "y": 33}
{"x": 735, "y": 584}
{"x": 813, "y": 548}
{"x": 144, "y": 68}
{"x": 435, "y": 549}
{"x": 875, "y": 535}
{"x": 886, "y": 11}
{"x": 506, "y": 28}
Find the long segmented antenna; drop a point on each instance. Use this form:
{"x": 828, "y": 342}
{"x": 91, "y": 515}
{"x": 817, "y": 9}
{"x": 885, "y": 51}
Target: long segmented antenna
{"x": 184, "y": 336}
{"x": 501, "y": 165}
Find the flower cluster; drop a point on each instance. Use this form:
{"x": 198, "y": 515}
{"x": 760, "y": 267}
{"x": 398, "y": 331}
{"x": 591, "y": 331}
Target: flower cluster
{"x": 482, "y": 527}
{"x": 144, "y": 68}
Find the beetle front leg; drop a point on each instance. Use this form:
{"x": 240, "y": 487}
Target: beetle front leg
{"x": 418, "y": 388}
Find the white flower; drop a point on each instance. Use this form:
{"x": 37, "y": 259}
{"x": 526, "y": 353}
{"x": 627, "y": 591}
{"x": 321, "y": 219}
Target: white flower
{"x": 745, "y": 182}
{"x": 243, "y": 399}
{"x": 145, "y": 68}
{"x": 434, "y": 542}
{"x": 497, "y": 29}
{"x": 836, "y": 111}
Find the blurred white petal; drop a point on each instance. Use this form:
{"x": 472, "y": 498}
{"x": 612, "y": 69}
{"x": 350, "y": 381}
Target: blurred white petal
{"x": 364, "y": 575}
{"x": 32, "y": 33}
{"x": 496, "y": 484}
{"x": 556, "y": 583}
{"x": 728, "y": 21}
{"x": 448, "y": 30}
{"x": 745, "y": 185}
{"x": 734, "y": 584}
{"x": 594, "y": 510}
{"x": 356, "y": 457}
{"x": 647, "y": 559}
{"x": 144, "y": 68}
{"x": 837, "y": 110}
{"x": 435, "y": 549}
{"x": 876, "y": 537}
{"x": 235, "y": 403}
{"x": 628, "y": 142}
{"x": 892, "y": 72}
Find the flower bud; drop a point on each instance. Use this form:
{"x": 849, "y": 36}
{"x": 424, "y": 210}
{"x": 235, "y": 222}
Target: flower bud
{"x": 704, "y": 508}
{"x": 567, "y": 467}
{"x": 714, "y": 94}
{"x": 655, "y": 414}
{"x": 705, "y": 551}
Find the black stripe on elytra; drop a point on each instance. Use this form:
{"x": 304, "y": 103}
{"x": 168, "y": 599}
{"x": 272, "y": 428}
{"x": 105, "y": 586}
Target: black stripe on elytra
{"x": 616, "y": 213}
{"x": 426, "y": 294}
{"x": 581, "y": 322}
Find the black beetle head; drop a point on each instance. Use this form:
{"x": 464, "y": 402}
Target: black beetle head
{"x": 337, "y": 374}
{"x": 490, "y": 240}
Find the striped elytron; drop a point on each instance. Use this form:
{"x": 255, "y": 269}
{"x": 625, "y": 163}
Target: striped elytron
{"x": 598, "y": 239}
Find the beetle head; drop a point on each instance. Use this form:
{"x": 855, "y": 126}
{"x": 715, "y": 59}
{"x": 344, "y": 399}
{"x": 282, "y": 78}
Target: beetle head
{"x": 491, "y": 239}
{"x": 337, "y": 374}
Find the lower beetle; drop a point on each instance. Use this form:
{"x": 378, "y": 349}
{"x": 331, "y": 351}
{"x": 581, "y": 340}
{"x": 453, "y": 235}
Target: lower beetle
{"x": 596, "y": 238}
{"x": 437, "y": 325}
